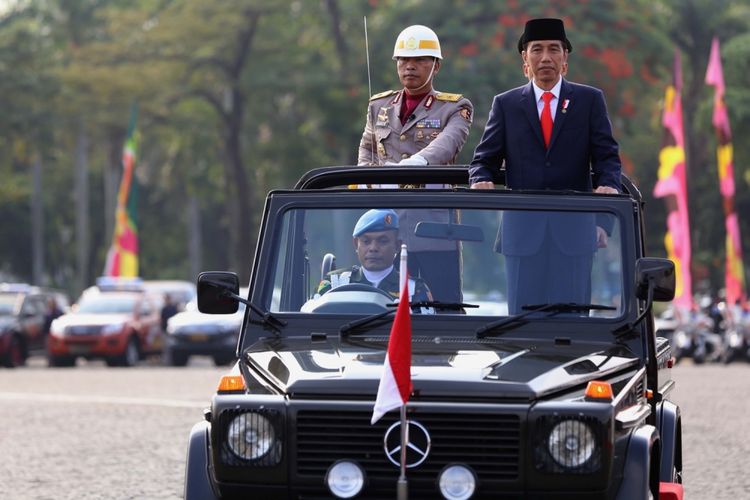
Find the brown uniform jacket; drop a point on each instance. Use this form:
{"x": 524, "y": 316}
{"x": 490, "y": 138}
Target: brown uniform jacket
{"x": 437, "y": 130}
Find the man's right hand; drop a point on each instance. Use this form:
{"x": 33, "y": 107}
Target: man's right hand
{"x": 483, "y": 185}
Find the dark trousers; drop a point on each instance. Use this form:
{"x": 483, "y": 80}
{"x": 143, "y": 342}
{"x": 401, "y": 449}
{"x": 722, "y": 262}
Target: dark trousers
{"x": 546, "y": 277}
{"x": 441, "y": 271}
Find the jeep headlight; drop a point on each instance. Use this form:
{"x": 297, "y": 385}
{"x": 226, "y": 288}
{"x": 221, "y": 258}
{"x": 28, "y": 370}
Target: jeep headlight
{"x": 250, "y": 436}
{"x": 571, "y": 443}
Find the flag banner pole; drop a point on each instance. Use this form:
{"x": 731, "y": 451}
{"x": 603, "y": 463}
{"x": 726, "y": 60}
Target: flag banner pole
{"x": 402, "y": 487}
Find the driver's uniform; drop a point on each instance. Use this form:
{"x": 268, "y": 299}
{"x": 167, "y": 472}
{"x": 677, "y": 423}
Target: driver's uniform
{"x": 418, "y": 291}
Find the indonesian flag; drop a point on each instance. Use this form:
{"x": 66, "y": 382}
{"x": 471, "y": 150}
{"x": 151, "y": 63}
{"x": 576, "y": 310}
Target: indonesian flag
{"x": 395, "y": 383}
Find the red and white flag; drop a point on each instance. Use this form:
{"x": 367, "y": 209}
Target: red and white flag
{"x": 395, "y": 383}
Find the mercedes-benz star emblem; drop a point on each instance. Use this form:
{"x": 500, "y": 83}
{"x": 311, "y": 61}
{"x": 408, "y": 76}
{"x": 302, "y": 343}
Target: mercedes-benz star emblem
{"x": 418, "y": 444}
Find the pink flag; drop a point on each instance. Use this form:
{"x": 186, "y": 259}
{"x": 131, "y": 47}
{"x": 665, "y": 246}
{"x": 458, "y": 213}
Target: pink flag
{"x": 715, "y": 76}
{"x": 672, "y": 182}
{"x": 734, "y": 275}
{"x": 395, "y": 383}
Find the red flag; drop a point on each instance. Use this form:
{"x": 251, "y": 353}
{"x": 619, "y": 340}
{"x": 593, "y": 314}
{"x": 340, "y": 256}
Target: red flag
{"x": 395, "y": 383}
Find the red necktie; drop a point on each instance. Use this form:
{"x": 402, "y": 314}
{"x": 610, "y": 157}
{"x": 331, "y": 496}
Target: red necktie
{"x": 546, "y": 117}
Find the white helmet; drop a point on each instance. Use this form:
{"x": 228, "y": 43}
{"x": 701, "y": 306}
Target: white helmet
{"x": 417, "y": 41}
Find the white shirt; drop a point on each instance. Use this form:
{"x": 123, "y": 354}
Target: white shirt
{"x": 375, "y": 277}
{"x": 553, "y": 103}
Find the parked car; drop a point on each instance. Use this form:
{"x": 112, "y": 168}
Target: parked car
{"x": 193, "y": 333}
{"x": 120, "y": 327}
{"x": 562, "y": 400}
{"x": 181, "y": 292}
{"x": 25, "y": 315}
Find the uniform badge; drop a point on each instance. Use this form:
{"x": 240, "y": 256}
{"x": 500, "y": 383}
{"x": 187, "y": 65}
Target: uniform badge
{"x": 382, "y": 117}
{"x": 434, "y": 134}
{"x": 420, "y": 134}
{"x": 429, "y": 123}
{"x": 428, "y": 102}
{"x": 466, "y": 113}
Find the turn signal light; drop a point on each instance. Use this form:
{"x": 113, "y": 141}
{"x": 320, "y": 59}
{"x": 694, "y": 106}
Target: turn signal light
{"x": 231, "y": 383}
{"x": 599, "y": 390}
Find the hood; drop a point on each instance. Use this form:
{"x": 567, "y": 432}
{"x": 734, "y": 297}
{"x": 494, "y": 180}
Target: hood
{"x": 454, "y": 368}
{"x": 84, "y": 319}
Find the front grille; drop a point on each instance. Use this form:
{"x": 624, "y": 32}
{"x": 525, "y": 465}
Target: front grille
{"x": 488, "y": 443}
{"x": 84, "y": 330}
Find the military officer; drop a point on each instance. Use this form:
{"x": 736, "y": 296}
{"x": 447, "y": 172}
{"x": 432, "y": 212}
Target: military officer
{"x": 418, "y": 125}
{"x": 376, "y": 243}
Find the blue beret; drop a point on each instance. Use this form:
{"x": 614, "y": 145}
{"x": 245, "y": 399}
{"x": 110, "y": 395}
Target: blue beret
{"x": 376, "y": 220}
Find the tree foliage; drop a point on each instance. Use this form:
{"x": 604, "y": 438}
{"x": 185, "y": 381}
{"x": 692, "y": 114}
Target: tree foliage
{"x": 242, "y": 96}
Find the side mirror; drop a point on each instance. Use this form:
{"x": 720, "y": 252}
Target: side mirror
{"x": 212, "y": 292}
{"x": 657, "y": 274}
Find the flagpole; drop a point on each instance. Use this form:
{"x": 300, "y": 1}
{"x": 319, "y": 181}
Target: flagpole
{"x": 402, "y": 486}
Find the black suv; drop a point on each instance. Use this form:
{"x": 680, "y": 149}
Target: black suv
{"x": 559, "y": 400}
{"x": 25, "y": 317}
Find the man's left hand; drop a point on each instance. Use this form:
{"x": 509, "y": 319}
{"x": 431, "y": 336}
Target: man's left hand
{"x": 417, "y": 160}
{"x": 601, "y": 237}
{"x": 606, "y": 190}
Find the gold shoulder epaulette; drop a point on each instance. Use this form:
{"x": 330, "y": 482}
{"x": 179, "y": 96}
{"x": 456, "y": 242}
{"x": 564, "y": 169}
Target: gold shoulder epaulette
{"x": 382, "y": 94}
{"x": 444, "y": 96}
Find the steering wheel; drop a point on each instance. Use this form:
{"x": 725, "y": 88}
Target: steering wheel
{"x": 360, "y": 287}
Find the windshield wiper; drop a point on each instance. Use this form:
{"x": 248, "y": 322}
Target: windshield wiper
{"x": 267, "y": 319}
{"x": 500, "y": 326}
{"x": 436, "y": 304}
{"x": 347, "y": 327}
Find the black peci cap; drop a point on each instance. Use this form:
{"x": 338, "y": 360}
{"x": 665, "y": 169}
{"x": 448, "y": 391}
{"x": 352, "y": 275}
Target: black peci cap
{"x": 544, "y": 29}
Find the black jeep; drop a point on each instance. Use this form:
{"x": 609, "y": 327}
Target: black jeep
{"x": 559, "y": 399}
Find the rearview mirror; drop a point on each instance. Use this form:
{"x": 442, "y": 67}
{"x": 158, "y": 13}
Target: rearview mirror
{"x": 212, "y": 292}
{"x": 659, "y": 274}
{"x": 444, "y": 231}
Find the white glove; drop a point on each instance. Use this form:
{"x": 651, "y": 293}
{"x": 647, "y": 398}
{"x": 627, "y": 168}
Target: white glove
{"x": 417, "y": 160}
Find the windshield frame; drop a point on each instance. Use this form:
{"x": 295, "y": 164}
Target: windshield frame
{"x": 281, "y": 201}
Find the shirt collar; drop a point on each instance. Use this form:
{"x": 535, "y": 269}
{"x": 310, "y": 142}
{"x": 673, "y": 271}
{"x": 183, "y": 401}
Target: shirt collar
{"x": 555, "y": 90}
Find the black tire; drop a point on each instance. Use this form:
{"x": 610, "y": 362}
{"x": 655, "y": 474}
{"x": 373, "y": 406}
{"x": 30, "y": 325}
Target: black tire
{"x": 130, "y": 357}
{"x": 61, "y": 361}
{"x": 16, "y": 355}
{"x": 224, "y": 359}
{"x": 173, "y": 358}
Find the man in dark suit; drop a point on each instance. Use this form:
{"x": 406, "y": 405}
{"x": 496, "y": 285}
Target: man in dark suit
{"x": 549, "y": 134}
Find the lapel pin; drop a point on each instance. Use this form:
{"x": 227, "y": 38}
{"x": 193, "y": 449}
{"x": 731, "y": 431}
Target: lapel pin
{"x": 565, "y": 105}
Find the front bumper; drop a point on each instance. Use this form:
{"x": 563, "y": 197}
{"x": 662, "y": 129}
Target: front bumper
{"x": 87, "y": 345}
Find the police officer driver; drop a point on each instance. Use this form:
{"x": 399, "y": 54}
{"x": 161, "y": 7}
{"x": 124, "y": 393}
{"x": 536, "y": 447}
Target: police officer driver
{"x": 375, "y": 239}
{"x": 420, "y": 126}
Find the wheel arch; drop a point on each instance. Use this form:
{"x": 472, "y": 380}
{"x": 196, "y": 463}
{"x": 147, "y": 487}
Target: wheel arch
{"x": 641, "y": 464}
{"x": 669, "y": 422}
{"x": 198, "y": 483}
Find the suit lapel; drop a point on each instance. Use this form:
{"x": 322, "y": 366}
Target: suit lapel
{"x": 565, "y": 92}
{"x": 528, "y": 103}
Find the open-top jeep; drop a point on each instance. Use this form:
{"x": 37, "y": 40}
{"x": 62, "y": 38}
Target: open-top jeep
{"x": 560, "y": 400}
